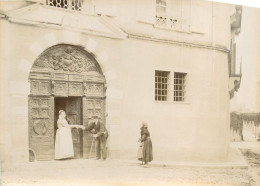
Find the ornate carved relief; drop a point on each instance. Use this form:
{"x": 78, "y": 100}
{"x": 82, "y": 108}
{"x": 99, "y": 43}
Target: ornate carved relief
{"x": 44, "y": 103}
{"x": 40, "y": 87}
{"x": 91, "y": 107}
{"x": 44, "y": 112}
{"x": 61, "y": 88}
{"x": 66, "y": 58}
{"x": 95, "y": 108}
{"x": 75, "y": 89}
{"x": 52, "y": 87}
{"x": 40, "y": 113}
{"x": 59, "y": 71}
{"x": 45, "y": 87}
{"x": 34, "y": 87}
{"x": 35, "y": 112}
{"x": 91, "y": 89}
{"x": 34, "y": 103}
{"x": 40, "y": 127}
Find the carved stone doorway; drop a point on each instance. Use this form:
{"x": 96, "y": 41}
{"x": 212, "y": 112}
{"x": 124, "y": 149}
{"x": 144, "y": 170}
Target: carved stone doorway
{"x": 69, "y": 78}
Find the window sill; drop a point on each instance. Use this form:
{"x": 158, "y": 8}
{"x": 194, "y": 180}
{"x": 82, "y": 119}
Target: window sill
{"x": 173, "y": 102}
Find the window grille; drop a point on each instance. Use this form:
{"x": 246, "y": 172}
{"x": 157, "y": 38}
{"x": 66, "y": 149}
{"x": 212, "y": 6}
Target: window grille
{"x": 161, "y": 85}
{"x": 179, "y": 87}
{"x": 66, "y": 4}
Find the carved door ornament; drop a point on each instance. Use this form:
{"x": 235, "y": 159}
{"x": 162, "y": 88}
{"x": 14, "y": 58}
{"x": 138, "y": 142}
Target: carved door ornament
{"x": 40, "y": 127}
{"x": 66, "y": 70}
{"x": 85, "y": 88}
{"x": 66, "y": 58}
{"x": 72, "y": 73}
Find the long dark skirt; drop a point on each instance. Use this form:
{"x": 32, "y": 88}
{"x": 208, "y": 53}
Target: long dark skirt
{"x": 147, "y": 151}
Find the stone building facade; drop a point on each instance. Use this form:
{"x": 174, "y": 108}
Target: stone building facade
{"x": 164, "y": 62}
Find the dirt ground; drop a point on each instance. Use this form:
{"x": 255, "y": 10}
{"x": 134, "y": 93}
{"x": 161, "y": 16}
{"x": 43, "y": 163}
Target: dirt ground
{"x": 107, "y": 174}
{"x": 253, "y": 160}
{"x": 113, "y": 172}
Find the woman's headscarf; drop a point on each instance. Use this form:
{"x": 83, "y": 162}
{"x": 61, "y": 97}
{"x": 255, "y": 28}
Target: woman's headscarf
{"x": 60, "y": 112}
{"x": 144, "y": 125}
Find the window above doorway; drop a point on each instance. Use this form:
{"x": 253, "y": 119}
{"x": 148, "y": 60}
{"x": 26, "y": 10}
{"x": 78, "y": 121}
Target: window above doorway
{"x": 87, "y": 6}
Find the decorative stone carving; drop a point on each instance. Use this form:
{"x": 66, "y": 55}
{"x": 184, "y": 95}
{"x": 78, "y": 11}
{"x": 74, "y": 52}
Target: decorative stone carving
{"x": 93, "y": 89}
{"x": 85, "y": 88}
{"x": 44, "y": 113}
{"x": 75, "y": 89}
{"x": 44, "y": 102}
{"x": 66, "y": 58}
{"x": 40, "y": 87}
{"x": 52, "y": 87}
{"x": 95, "y": 108}
{"x": 44, "y": 87}
{"x": 61, "y": 88}
{"x": 59, "y": 71}
{"x": 35, "y": 113}
{"x": 34, "y": 87}
{"x": 34, "y": 103}
{"x": 40, "y": 127}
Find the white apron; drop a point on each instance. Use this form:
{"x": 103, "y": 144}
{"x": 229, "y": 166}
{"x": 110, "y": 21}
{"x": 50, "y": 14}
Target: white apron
{"x": 63, "y": 142}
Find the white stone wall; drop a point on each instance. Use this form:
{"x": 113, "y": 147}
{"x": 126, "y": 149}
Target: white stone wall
{"x": 197, "y": 130}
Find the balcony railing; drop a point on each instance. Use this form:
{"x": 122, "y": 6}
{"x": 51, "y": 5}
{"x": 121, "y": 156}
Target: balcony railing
{"x": 170, "y": 23}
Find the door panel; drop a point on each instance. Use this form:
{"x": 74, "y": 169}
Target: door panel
{"x": 91, "y": 107}
{"x": 74, "y": 116}
{"x": 41, "y": 127}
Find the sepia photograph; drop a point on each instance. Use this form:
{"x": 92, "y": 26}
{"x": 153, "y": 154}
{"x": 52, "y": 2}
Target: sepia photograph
{"x": 129, "y": 92}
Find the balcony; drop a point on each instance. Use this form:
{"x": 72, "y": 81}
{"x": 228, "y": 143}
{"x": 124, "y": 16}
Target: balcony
{"x": 172, "y": 23}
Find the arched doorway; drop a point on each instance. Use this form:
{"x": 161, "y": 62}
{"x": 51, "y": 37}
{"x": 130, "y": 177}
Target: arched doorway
{"x": 69, "y": 78}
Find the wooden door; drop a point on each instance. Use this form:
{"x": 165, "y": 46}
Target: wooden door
{"x": 73, "y": 111}
{"x": 91, "y": 107}
{"x": 41, "y": 128}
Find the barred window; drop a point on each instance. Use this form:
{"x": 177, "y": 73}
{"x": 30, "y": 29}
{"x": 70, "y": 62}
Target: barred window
{"x": 161, "y": 85}
{"x": 179, "y": 87}
{"x": 66, "y": 4}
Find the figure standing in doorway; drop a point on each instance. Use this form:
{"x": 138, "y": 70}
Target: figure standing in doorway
{"x": 145, "y": 153}
{"x": 100, "y": 135}
{"x": 63, "y": 142}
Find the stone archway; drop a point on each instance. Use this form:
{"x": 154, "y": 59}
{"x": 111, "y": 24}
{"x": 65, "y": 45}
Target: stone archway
{"x": 63, "y": 72}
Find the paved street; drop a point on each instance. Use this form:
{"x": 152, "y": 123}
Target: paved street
{"x": 116, "y": 172}
{"x": 101, "y": 173}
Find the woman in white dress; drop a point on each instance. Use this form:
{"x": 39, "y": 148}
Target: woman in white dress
{"x": 63, "y": 141}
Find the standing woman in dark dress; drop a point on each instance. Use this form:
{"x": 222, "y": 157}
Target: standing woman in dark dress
{"x": 147, "y": 155}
